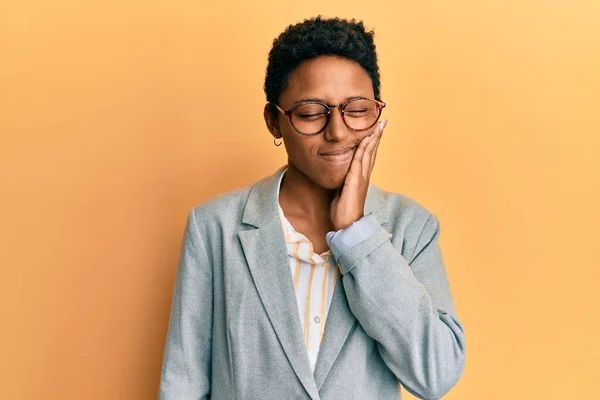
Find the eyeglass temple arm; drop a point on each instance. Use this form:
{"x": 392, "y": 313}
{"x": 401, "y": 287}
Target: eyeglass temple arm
{"x": 279, "y": 108}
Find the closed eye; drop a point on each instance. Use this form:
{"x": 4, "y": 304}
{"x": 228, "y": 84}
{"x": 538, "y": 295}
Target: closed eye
{"x": 310, "y": 116}
{"x": 355, "y": 112}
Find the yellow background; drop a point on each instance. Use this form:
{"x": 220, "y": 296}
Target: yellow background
{"x": 116, "y": 117}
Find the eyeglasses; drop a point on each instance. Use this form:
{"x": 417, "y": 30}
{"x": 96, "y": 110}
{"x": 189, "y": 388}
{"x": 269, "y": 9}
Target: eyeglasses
{"x": 310, "y": 117}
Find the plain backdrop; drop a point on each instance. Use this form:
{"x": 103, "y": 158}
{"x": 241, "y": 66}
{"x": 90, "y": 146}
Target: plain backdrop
{"x": 117, "y": 117}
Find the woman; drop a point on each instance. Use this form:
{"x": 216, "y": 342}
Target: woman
{"x": 313, "y": 283}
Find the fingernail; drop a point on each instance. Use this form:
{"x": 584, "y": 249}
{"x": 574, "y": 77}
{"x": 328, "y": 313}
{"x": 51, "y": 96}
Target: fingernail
{"x": 383, "y": 124}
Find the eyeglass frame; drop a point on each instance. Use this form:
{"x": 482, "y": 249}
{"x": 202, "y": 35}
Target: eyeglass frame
{"x": 329, "y": 107}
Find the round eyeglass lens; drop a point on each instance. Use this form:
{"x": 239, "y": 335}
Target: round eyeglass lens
{"x": 309, "y": 118}
{"x": 361, "y": 114}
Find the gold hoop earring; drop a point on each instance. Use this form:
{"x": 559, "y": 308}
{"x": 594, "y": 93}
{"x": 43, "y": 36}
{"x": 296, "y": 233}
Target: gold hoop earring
{"x": 275, "y": 141}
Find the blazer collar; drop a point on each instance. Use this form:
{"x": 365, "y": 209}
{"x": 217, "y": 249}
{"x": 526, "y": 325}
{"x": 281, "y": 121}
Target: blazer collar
{"x": 262, "y": 204}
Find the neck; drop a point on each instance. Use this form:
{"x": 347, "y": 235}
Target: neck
{"x": 299, "y": 195}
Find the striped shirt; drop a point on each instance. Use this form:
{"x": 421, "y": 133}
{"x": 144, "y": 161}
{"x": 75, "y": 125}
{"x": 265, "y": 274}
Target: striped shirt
{"x": 315, "y": 276}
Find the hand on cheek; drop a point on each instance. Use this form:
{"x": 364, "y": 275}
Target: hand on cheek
{"x": 349, "y": 203}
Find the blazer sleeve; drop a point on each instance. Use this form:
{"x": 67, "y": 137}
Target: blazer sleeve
{"x": 186, "y": 368}
{"x": 406, "y": 306}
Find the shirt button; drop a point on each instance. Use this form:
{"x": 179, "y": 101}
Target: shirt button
{"x": 317, "y": 320}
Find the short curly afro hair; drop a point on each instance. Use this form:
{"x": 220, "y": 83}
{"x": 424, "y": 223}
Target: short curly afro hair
{"x": 318, "y": 37}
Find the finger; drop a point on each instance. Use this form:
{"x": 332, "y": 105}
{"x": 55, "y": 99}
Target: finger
{"x": 377, "y": 142}
{"x": 356, "y": 165}
{"x": 366, "y": 160}
{"x": 369, "y": 156}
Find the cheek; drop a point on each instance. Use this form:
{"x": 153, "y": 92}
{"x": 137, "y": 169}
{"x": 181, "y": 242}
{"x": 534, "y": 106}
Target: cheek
{"x": 366, "y": 133}
{"x": 361, "y": 135}
{"x": 300, "y": 147}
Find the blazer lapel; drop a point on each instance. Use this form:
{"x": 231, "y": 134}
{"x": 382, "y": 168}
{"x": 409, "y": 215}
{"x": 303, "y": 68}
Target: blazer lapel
{"x": 266, "y": 255}
{"x": 340, "y": 320}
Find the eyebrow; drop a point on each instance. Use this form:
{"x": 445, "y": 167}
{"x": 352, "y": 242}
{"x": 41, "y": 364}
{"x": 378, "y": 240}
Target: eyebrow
{"x": 323, "y": 100}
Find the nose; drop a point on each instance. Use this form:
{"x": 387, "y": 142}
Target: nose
{"x": 336, "y": 130}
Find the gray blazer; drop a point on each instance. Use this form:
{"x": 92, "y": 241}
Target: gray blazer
{"x": 234, "y": 330}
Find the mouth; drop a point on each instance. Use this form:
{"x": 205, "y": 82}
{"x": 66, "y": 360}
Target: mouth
{"x": 338, "y": 156}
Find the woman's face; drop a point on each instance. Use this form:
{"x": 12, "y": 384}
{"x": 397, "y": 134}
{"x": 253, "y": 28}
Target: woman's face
{"x": 332, "y": 80}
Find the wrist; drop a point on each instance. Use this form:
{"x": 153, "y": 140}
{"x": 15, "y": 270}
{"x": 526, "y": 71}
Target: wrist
{"x": 346, "y": 223}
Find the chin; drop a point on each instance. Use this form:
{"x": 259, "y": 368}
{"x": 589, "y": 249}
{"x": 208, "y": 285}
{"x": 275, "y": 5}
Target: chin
{"x": 330, "y": 182}
{"x": 328, "y": 178}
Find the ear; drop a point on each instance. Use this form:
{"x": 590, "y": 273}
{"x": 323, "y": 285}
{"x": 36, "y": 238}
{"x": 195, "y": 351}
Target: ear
{"x": 271, "y": 121}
